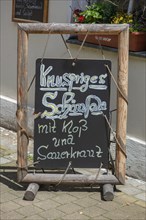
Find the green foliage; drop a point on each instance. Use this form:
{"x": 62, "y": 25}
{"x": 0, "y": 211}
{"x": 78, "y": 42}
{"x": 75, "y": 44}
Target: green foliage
{"x": 93, "y": 13}
{"x": 122, "y": 18}
{"x": 137, "y": 27}
{"x": 107, "y": 12}
{"x": 136, "y": 24}
{"x": 99, "y": 13}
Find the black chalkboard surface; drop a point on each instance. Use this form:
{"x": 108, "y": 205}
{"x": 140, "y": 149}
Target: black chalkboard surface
{"x": 30, "y": 10}
{"x": 70, "y": 101}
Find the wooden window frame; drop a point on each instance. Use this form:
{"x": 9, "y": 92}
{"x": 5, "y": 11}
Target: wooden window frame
{"x": 122, "y": 30}
{"x": 45, "y": 13}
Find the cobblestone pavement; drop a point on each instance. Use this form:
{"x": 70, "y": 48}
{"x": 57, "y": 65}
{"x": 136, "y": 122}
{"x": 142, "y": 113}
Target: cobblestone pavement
{"x": 64, "y": 203}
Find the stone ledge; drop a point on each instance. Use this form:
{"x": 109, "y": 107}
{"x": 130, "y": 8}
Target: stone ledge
{"x": 74, "y": 40}
{"x": 8, "y": 109}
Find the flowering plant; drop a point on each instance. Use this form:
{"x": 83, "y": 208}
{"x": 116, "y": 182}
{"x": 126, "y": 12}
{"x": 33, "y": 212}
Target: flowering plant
{"x": 135, "y": 23}
{"x": 95, "y": 13}
{"x": 77, "y": 16}
{"x": 107, "y": 12}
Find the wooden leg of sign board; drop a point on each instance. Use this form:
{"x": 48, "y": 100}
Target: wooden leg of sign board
{"x": 22, "y": 137}
{"x": 108, "y": 193}
{"x": 122, "y": 105}
{"x": 31, "y": 191}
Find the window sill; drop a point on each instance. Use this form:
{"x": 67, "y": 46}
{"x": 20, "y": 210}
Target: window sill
{"x": 77, "y": 42}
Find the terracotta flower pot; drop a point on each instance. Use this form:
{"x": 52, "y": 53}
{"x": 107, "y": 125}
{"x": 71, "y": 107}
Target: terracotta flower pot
{"x": 137, "y": 40}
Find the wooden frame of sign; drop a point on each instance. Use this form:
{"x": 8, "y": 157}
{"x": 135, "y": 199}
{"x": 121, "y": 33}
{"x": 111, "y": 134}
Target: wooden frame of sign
{"x": 36, "y": 11}
{"x": 46, "y": 178}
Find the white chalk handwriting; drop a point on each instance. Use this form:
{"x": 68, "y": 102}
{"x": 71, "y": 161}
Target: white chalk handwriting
{"x": 70, "y": 128}
{"x": 47, "y": 128}
{"x": 63, "y": 141}
{"x": 69, "y": 107}
{"x": 44, "y": 153}
{"x": 70, "y": 81}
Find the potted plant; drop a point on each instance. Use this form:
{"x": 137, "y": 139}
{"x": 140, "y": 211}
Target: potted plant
{"x": 108, "y": 12}
{"x": 137, "y": 28}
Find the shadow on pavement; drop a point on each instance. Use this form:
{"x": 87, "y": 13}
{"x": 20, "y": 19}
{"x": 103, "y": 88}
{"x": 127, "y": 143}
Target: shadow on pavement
{"x": 9, "y": 178}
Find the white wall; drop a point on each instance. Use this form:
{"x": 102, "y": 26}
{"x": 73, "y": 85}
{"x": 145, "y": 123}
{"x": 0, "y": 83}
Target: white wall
{"x": 137, "y": 98}
{"x": 58, "y": 12}
{"x": 8, "y": 50}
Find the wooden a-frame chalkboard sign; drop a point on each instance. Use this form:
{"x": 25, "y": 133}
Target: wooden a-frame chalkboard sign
{"x": 30, "y": 11}
{"x": 71, "y": 101}
{"x": 71, "y": 96}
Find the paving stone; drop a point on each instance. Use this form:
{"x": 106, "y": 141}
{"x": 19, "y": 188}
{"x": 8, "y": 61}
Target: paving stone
{"x": 47, "y": 204}
{"x": 127, "y": 213}
{"x": 5, "y": 197}
{"x": 5, "y": 151}
{"x": 11, "y": 163}
{"x": 9, "y": 140}
{"x": 75, "y": 216}
{"x": 35, "y": 217}
{"x": 95, "y": 195}
{"x": 134, "y": 182}
{"x": 120, "y": 187}
{"x": 131, "y": 190}
{"x": 52, "y": 214}
{"x": 4, "y": 188}
{"x": 141, "y": 203}
{"x": 93, "y": 211}
{"x": 85, "y": 202}
{"x": 141, "y": 196}
{"x": 83, "y": 171}
{"x": 125, "y": 199}
{"x": 9, "y": 206}
{"x": 43, "y": 195}
{"x": 118, "y": 193}
{"x": 142, "y": 187}
{"x": 11, "y": 215}
{"x": 18, "y": 193}
{"x": 79, "y": 194}
{"x": 22, "y": 202}
{"x": 64, "y": 198}
{"x": 108, "y": 205}
{"x": 100, "y": 218}
{"x": 26, "y": 211}
{"x": 4, "y": 160}
{"x": 69, "y": 208}
{"x": 12, "y": 156}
